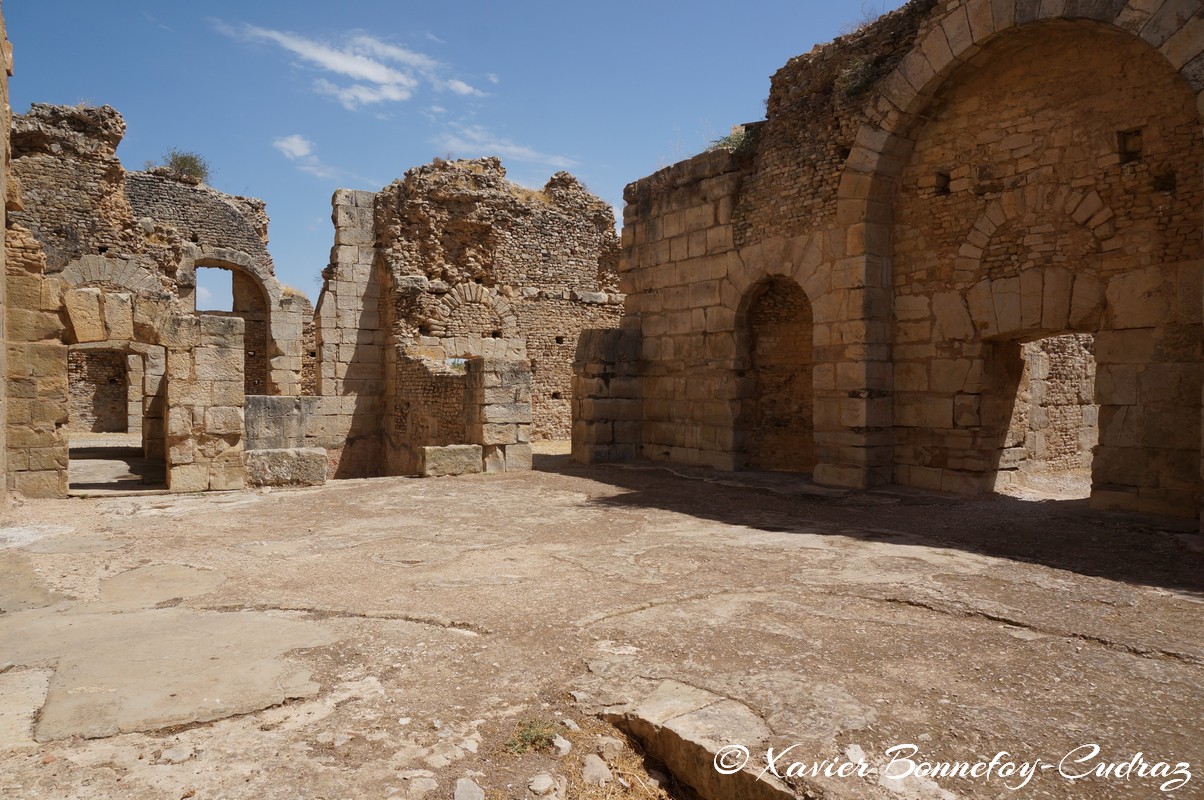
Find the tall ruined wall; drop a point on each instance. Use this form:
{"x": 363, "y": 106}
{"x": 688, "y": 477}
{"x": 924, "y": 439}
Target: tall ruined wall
{"x": 88, "y": 269}
{"x": 9, "y": 194}
{"x": 452, "y": 262}
{"x": 504, "y": 262}
{"x": 202, "y": 214}
{"x": 945, "y": 185}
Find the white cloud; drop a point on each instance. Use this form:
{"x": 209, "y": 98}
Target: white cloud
{"x": 361, "y": 71}
{"x": 356, "y": 95}
{"x": 294, "y": 147}
{"x": 475, "y": 140}
{"x": 492, "y": 78}
{"x": 391, "y": 52}
{"x": 203, "y": 295}
{"x": 462, "y": 88}
{"x": 302, "y": 152}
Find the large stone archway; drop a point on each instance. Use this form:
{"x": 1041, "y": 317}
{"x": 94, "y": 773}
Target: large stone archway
{"x": 963, "y": 39}
{"x": 1029, "y": 205}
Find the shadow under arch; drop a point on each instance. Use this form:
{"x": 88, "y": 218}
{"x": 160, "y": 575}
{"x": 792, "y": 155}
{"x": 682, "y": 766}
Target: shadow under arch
{"x": 775, "y": 421}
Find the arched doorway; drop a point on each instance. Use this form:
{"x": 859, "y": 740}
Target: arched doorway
{"x": 248, "y": 300}
{"x": 778, "y": 417}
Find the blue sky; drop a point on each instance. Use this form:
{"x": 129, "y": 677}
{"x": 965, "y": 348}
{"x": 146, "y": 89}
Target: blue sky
{"x": 289, "y": 100}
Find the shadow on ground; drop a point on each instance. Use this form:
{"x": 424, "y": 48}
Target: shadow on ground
{"x": 1153, "y": 551}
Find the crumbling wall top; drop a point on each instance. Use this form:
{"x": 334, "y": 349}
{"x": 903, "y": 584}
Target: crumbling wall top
{"x": 85, "y": 130}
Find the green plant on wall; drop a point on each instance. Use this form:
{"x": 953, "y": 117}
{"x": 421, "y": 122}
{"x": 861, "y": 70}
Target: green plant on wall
{"x": 185, "y": 164}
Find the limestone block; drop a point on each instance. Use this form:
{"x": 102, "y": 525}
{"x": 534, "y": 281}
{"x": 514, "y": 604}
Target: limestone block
{"x": 186, "y": 478}
{"x": 227, "y": 475}
{"x": 496, "y": 433}
{"x": 455, "y": 459}
{"x": 43, "y": 484}
{"x": 219, "y": 364}
{"x": 513, "y": 413}
{"x": 179, "y": 421}
{"x": 1086, "y": 303}
{"x": 1138, "y": 299}
{"x": 181, "y": 451}
{"x": 119, "y": 316}
{"x": 221, "y": 332}
{"x": 31, "y": 326}
{"x": 223, "y": 420}
{"x": 911, "y": 306}
{"x": 298, "y": 466}
{"x": 83, "y": 309}
{"x": 952, "y": 317}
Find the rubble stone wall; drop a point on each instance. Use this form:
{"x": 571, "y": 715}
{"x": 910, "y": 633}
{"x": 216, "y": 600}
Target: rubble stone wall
{"x": 455, "y": 262}
{"x": 8, "y": 192}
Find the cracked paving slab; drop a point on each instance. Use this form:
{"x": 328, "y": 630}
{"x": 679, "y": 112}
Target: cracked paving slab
{"x": 121, "y": 665}
{"x": 416, "y": 623}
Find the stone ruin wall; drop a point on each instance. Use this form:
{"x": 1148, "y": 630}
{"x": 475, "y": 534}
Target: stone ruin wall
{"x": 940, "y": 201}
{"x": 90, "y": 271}
{"x": 6, "y": 189}
{"x": 503, "y": 262}
{"x": 454, "y": 262}
{"x": 1055, "y": 422}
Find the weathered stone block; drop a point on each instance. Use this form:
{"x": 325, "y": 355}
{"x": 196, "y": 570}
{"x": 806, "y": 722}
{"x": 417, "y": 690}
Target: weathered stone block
{"x": 299, "y": 466}
{"x": 119, "y": 316}
{"x": 455, "y": 459}
{"x": 518, "y": 457}
{"x": 223, "y": 420}
{"x": 187, "y": 478}
{"x": 495, "y": 458}
{"x": 83, "y": 309}
{"x": 513, "y": 413}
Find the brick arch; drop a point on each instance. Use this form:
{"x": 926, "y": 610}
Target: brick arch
{"x": 466, "y": 294}
{"x": 879, "y": 152}
{"x": 1054, "y": 299}
{"x": 882, "y": 147}
{"x": 97, "y": 269}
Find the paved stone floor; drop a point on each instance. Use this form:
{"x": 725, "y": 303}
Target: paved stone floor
{"x": 387, "y": 638}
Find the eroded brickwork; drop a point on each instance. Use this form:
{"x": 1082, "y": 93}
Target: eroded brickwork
{"x": 98, "y": 388}
{"x": 454, "y": 262}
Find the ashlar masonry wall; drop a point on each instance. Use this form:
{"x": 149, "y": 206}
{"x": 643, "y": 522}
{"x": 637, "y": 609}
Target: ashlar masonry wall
{"x": 945, "y": 186}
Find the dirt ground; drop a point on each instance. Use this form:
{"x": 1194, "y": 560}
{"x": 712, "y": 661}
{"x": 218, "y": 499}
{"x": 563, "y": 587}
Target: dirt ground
{"x": 400, "y": 637}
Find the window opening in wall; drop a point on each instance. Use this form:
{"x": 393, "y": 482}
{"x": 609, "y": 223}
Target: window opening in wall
{"x": 214, "y": 289}
{"x": 1129, "y": 145}
{"x": 559, "y": 340}
{"x": 1166, "y": 183}
{"x": 557, "y": 396}
{"x": 1054, "y": 423}
{"x": 496, "y": 334}
{"x": 941, "y": 184}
